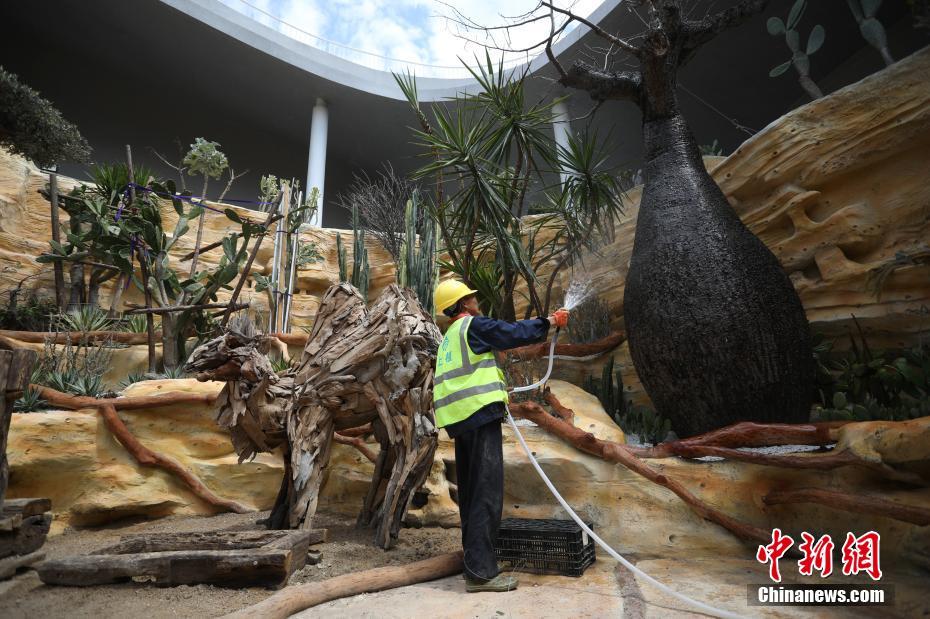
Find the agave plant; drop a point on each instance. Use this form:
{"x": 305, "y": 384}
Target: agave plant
{"x": 86, "y": 318}
{"x": 30, "y": 402}
{"x": 800, "y": 58}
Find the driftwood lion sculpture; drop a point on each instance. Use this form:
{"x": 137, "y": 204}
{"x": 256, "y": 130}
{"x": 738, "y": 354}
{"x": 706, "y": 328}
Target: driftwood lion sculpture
{"x": 359, "y": 366}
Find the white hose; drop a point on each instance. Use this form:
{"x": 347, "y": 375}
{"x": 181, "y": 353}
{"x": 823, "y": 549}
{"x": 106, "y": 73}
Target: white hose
{"x": 705, "y": 608}
{"x": 542, "y": 381}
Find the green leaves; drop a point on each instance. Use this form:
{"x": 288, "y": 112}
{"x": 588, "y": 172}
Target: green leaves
{"x": 204, "y": 158}
{"x": 232, "y": 215}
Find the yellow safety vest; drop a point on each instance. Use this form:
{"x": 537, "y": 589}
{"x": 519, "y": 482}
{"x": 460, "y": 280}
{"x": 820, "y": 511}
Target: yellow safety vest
{"x": 464, "y": 382}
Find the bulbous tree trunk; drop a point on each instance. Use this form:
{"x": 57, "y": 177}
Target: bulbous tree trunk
{"x": 716, "y": 329}
{"x": 717, "y": 332}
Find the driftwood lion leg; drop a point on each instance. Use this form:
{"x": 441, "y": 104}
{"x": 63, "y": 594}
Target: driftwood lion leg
{"x": 413, "y": 450}
{"x": 381, "y": 464}
{"x": 278, "y": 518}
{"x": 311, "y": 442}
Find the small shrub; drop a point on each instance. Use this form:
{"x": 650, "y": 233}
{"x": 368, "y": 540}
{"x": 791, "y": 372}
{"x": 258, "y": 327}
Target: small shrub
{"x": 865, "y": 385}
{"x": 135, "y": 323}
{"x": 33, "y": 313}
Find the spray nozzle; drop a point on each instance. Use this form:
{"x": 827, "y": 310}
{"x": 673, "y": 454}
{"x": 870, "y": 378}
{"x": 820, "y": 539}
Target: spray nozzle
{"x": 560, "y": 318}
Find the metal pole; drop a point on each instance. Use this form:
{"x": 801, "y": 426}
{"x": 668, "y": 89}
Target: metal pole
{"x": 295, "y": 249}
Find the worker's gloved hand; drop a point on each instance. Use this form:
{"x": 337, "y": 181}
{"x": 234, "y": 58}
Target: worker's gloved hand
{"x": 559, "y": 318}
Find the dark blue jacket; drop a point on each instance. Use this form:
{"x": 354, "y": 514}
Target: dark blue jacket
{"x": 488, "y": 334}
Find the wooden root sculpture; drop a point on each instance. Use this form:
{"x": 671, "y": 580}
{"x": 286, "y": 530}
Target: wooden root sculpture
{"x": 359, "y": 366}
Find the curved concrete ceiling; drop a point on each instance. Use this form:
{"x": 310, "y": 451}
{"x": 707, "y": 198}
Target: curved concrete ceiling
{"x": 344, "y": 72}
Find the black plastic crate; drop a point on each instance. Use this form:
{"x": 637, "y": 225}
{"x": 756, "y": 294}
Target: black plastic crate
{"x": 545, "y": 546}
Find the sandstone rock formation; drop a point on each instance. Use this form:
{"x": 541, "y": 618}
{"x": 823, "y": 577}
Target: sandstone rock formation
{"x": 25, "y": 228}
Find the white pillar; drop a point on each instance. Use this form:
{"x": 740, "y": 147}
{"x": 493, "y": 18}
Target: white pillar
{"x": 316, "y": 165}
{"x": 561, "y": 129}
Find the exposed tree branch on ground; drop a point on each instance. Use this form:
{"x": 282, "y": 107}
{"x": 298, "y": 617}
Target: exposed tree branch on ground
{"x": 614, "y": 452}
{"x": 300, "y": 597}
{"x": 858, "y": 503}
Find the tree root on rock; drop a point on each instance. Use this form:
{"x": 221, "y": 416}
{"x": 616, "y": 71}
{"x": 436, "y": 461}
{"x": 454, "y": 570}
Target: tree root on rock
{"x": 858, "y": 503}
{"x": 723, "y": 443}
{"x": 614, "y": 452}
{"x": 108, "y": 407}
{"x": 581, "y": 351}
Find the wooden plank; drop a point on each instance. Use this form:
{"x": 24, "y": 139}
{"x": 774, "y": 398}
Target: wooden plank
{"x": 248, "y": 568}
{"x": 27, "y": 538}
{"x": 223, "y": 540}
{"x": 10, "y": 565}
{"x": 26, "y": 507}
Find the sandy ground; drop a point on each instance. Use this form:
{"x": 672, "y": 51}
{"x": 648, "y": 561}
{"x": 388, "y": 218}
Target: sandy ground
{"x": 605, "y": 590}
{"x": 348, "y": 549}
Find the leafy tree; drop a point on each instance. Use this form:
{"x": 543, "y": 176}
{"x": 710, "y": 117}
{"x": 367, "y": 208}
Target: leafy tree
{"x": 31, "y": 126}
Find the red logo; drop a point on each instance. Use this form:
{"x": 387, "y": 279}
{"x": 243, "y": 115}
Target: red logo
{"x": 773, "y": 552}
{"x": 859, "y": 554}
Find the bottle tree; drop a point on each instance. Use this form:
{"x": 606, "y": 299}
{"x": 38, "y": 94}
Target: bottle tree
{"x": 716, "y": 329}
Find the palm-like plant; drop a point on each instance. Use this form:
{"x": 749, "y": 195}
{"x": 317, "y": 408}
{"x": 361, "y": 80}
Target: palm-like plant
{"x": 494, "y": 159}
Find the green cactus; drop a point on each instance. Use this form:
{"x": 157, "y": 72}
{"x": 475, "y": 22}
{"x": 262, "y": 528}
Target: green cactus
{"x": 418, "y": 268}
{"x": 632, "y": 419}
{"x": 872, "y": 30}
{"x": 800, "y": 59}
{"x": 341, "y": 255}
{"x": 360, "y": 266}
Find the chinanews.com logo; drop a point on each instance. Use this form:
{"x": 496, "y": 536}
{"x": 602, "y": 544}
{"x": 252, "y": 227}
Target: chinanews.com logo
{"x": 859, "y": 554}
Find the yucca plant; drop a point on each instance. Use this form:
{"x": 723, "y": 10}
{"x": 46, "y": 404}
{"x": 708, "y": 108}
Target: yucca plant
{"x": 494, "y": 159}
{"x": 134, "y": 323}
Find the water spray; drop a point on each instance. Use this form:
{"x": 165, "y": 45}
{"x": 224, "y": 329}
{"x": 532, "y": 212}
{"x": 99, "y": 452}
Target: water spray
{"x": 573, "y": 297}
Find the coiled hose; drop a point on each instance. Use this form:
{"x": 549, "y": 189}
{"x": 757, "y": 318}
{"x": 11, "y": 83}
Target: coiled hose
{"x": 701, "y": 606}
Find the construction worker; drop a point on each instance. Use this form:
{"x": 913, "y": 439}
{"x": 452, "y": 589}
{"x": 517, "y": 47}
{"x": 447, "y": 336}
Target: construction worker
{"x": 470, "y": 398}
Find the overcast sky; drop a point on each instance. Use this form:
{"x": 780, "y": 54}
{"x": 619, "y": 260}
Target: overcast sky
{"x": 410, "y": 30}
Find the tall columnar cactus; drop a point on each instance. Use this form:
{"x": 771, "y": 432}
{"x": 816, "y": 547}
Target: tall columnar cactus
{"x": 418, "y": 268}
{"x": 799, "y": 58}
{"x": 360, "y": 266}
{"x": 872, "y": 30}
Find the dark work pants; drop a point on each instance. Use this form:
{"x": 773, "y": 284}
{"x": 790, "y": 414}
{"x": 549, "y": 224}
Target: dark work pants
{"x": 479, "y": 469}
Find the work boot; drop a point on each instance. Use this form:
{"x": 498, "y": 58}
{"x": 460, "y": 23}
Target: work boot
{"x": 499, "y": 583}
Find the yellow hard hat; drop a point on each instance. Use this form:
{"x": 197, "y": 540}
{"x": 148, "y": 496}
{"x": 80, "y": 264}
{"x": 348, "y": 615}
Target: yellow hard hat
{"x": 449, "y": 292}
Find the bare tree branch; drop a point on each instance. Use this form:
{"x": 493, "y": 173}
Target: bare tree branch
{"x": 604, "y": 85}
{"x": 699, "y": 32}
{"x": 621, "y": 43}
